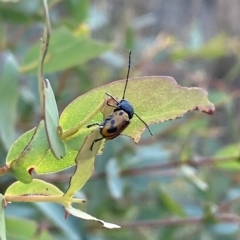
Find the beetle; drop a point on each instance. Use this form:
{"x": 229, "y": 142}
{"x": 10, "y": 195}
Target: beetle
{"x": 117, "y": 121}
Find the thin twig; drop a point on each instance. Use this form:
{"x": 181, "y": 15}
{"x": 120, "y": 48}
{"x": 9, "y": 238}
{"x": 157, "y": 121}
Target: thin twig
{"x": 157, "y": 168}
{"x": 229, "y": 218}
{"x": 225, "y": 206}
{"x": 43, "y": 50}
{"x": 172, "y": 164}
{"x": 4, "y": 170}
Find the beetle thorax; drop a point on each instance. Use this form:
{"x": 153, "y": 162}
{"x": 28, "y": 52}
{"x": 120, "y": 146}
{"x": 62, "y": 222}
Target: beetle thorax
{"x": 126, "y": 106}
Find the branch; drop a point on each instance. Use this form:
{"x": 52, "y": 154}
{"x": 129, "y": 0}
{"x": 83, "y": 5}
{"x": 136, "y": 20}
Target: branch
{"x": 201, "y": 161}
{"x": 157, "y": 168}
{"x": 43, "y": 50}
{"x": 229, "y": 218}
{"x": 4, "y": 170}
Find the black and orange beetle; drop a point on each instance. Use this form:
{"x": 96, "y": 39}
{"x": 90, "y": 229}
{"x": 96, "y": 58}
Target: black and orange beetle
{"x": 116, "y": 122}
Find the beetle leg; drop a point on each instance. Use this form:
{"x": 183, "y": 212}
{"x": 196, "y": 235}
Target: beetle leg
{"x": 111, "y": 96}
{"x": 111, "y": 105}
{"x": 113, "y": 99}
{"x": 93, "y": 124}
{"x": 96, "y": 140}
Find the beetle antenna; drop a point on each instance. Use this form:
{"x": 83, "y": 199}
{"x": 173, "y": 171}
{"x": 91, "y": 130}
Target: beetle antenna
{"x": 129, "y": 64}
{"x": 144, "y": 124}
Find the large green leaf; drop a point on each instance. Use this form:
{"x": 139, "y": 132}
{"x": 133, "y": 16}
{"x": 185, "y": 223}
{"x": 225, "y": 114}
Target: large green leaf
{"x": 8, "y": 99}
{"x": 155, "y": 99}
{"x": 27, "y": 152}
{"x": 32, "y": 152}
{"x": 65, "y": 50}
{"x": 50, "y": 164}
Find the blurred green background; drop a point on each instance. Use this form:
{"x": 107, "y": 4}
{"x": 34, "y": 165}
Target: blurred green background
{"x": 197, "y": 43}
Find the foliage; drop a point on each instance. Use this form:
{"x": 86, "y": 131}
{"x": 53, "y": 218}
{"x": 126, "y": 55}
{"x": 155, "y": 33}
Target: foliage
{"x": 159, "y": 187}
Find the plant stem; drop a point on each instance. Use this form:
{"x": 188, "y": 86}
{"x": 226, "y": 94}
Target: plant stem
{"x": 159, "y": 168}
{"x": 43, "y": 51}
{"x": 34, "y": 198}
{"x": 76, "y": 128}
{"x": 229, "y": 218}
{"x": 4, "y": 170}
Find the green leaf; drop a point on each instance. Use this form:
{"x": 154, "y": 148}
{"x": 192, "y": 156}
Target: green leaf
{"x": 52, "y": 214}
{"x": 129, "y": 38}
{"x": 84, "y": 163}
{"x": 83, "y": 215}
{"x": 232, "y": 152}
{"x": 51, "y": 118}
{"x": 39, "y": 190}
{"x": 40, "y": 157}
{"x": 8, "y": 100}
{"x": 36, "y": 187}
{"x": 79, "y": 10}
{"x": 167, "y": 101}
{"x": 65, "y": 50}
{"x": 2, "y": 219}
{"x": 214, "y": 48}
{"x": 44, "y": 235}
{"x": 24, "y": 229}
{"x": 21, "y": 12}
{"x": 20, "y": 144}
{"x": 49, "y": 163}
{"x": 219, "y": 97}
{"x": 169, "y": 203}
{"x": 21, "y": 229}
{"x": 155, "y": 99}
{"x": 163, "y": 100}
{"x": 27, "y": 152}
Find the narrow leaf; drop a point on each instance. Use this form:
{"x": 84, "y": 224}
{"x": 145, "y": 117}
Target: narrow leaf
{"x": 2, "y": 219}
{"x": 66, "y": 50}
{"x": 169, "y": 203}
{"x": 51, "y": 119}
{"x": 8, "y": 99}
{"x": 22, "y": 229}
{"x": 231, "y": 151}
{"x": 84, "y": 163}
{"x": 25, "y": 229}
{"x": 83, "y": 215}
{"x": 52, "y": 214}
